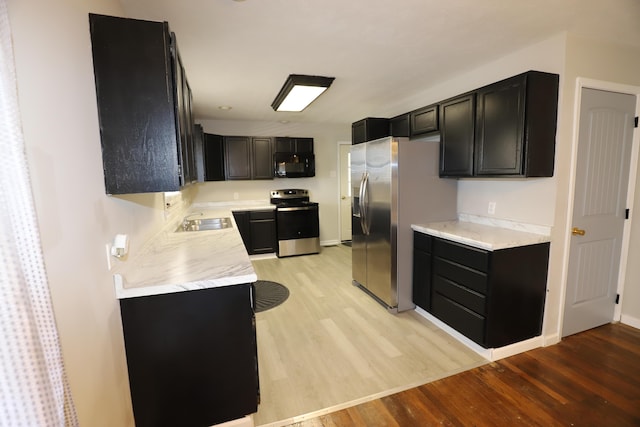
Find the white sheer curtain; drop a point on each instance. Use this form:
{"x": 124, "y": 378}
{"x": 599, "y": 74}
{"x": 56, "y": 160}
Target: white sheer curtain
{"x": 33, "y": 387}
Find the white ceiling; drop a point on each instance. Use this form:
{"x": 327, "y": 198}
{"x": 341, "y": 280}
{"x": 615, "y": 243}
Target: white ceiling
{"x": 239, "y": 53}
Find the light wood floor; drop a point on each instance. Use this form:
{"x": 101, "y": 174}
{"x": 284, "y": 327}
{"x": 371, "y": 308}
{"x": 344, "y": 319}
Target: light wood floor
{"x": 330, "y": 345}
{"x": 588, "y": 379}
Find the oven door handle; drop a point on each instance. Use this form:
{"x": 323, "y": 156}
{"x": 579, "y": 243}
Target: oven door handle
{"x": 297, "y": 208}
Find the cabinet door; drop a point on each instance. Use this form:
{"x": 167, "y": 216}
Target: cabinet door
{"x": 304, "y": 145}
{"x": 422, "y": 279}
{"x": 284, "y": 145}
{"x": 422, "y": 270}
{"x": 186, "y": 350}
{"x": 213, "y": 157}
{"x": 399, "y": 125}
{"x": 457, "y": 118}
{"x": 262, "y": 158}
{"x": 424, "y": 120}
{"x": 136, "y": 106}
{"x": 242, "y": 222}
{"x": 369, "y": 129}
{"x": 500, "y": 113}
{"x": 198, "y": 152}
{"x": 262, "y": 226}
{"x": 237, "y": 157}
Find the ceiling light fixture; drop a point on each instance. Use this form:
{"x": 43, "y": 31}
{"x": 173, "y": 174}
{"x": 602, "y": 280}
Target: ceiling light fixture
{"x": 299, "y": 91}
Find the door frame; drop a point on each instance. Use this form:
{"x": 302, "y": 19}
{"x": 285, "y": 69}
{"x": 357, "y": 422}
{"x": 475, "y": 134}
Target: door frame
{"x": 585, "y": 83}
{"x": 340, "y": 177}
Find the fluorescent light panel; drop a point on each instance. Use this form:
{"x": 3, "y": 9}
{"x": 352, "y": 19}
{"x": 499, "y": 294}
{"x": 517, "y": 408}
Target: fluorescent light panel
{"x": 299, "y": 91}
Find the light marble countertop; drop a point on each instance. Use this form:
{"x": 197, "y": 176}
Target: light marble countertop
{"x": 483, "y": 234}
{"x": 189, "y": 260}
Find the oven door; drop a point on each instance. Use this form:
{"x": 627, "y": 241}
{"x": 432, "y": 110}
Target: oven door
{"x": 298, "y": 230}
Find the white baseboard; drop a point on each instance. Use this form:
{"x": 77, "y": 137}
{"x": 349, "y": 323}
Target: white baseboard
{"x": 330, "y": 243}
{"x": 551, "y": 340}
{"x": 491, "y": 354}
{"x": 630, "y": 320}
{"x": 240, "y": 422}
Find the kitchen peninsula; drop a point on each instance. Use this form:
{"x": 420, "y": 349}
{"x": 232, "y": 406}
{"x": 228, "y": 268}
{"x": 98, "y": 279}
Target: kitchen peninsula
{"x": 187, "y": 307}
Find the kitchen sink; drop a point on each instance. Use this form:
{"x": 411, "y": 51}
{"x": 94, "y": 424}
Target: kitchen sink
{"x": 204, "y": 224}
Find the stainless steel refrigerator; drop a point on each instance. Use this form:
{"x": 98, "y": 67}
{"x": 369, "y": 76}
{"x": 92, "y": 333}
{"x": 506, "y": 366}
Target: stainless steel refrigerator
{"x": 395, "y": 184}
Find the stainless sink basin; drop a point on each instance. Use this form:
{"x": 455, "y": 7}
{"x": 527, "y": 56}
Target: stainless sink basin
{"x": 204, "y": 224}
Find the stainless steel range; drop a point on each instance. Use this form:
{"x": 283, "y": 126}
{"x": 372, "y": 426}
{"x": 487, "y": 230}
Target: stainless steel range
{"x": 297, "y": 222}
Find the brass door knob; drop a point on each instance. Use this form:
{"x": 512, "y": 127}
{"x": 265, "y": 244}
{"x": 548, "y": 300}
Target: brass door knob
{"x": 577, "y": 231}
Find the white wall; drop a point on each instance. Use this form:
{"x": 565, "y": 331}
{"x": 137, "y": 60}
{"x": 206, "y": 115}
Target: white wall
{"x": 323, "y": 188}
{"x": 592, "y": 59}
{"x": 76, "y": 219}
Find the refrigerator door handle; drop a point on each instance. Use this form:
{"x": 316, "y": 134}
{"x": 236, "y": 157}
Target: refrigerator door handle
{"x": 360, "y": 203}
{"x": 364, "y": 200}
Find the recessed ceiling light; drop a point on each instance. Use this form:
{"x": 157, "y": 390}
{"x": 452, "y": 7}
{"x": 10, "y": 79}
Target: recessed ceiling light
{"x": 225, "y": 107}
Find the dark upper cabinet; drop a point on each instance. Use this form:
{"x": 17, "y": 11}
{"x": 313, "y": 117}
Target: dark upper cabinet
{"x": 237, "y": 156}
{"x": 516, "y": 126}
{"x": 369, "y": 129}
{"x": 143, "y": 106}
{"x": 198, "y": 153}
{"x": 399, "y": 125}
{"x": 293, "y": 145}
{"x": 457, "y": 119}
{"x": 213, "y": 157}
{"x": 262, "y": 158}
{"x": 248, "y": 157}
{"x": 506, "y": 129}
{"x": 423, "y": 121}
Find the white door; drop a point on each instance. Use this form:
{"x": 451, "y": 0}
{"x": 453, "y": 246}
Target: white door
{"x": 602, "y": 177}
{"x": 345, "y": 193}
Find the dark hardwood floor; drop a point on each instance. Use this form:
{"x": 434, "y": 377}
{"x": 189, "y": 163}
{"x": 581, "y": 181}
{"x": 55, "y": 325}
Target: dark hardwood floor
{"x": 588, "y": 379}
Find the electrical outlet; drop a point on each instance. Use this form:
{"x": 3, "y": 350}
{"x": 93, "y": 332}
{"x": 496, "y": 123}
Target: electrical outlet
{"x": 108, "y": 252}
{"x": 492, "y": 208}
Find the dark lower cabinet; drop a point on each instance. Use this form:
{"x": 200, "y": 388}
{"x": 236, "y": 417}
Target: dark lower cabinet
{"x": 192, "y": 356}
{"x": 258, "y": 230}
{"x": 495, "y": 298}
{"x": 422, "y": 270}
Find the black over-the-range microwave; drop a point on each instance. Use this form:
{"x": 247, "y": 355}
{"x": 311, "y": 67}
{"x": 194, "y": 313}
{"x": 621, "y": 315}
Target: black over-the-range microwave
{"x": 294, "y": 165}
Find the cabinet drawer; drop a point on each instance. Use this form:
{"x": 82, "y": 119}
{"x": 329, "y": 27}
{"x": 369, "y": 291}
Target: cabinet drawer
{"x": 267, "y": 214}
{"x": 460, "y": 294}
{"x": 462, "y": 254}
{"x": 472, "y": 279}
{"x": 462, "y": 319}
{"x": 422, "y": 241}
